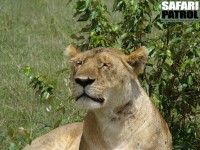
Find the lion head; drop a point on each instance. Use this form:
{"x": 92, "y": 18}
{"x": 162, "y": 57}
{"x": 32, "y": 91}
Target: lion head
{"x": 102, "y": 76}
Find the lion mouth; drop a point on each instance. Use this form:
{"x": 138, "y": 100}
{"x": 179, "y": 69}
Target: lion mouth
{"x": 99, "y": 100}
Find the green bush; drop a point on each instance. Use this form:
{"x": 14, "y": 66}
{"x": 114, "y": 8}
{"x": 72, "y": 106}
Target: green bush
{"x": 172, "y": 75}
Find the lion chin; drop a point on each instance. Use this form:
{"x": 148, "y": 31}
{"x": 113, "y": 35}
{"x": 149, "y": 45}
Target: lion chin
{"x": 87, "y": 102}
{"x": 120, "y": 115}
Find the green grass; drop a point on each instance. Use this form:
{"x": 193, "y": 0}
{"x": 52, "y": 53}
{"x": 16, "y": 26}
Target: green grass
{"x": 33, "y": 33}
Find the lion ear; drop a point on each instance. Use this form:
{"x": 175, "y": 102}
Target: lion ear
{"x": 137, "y": 59}
{"x": 71, "y": 51}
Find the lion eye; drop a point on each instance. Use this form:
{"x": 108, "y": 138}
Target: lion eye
{"x": 104, "y": 65}
{"x": 79, "y": 63}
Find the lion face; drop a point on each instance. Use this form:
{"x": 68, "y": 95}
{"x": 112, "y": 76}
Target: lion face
{"x": 102, "y": 76}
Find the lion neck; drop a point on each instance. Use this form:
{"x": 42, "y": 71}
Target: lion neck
{"x": 105, "y": 126}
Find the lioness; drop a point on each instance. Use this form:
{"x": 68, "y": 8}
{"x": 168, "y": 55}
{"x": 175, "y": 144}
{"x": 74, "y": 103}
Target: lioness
{"x": 120, "y": 115}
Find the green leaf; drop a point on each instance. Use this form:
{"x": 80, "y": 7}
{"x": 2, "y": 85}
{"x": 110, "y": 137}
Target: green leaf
{"x": 82, "y": 5}
{"x": 151, "y": 46}
{"x": 13, "y": 147}
{"x": 134, "y": 6}
{"x": 94, "y": 15}
{"x": 190, "y": 80}
{"x": 158, "y": 25}
{"x": 152, "y": 1}
{"x": 85, "y": 16}
{"x": 27, "y": 70}
{"x": 29, "y": 73}
{"x": 155, "y": 100}
{"x": 197, "y": 134}
{"x": 87, "y": 28}
{"x": 157, "y": 6}
{"x": 148, "y": 9}
{"x": 149, "y": 28}
{"x": 40, "y": 78}
{"x": 183, "y": 66}
{"x": 65, "y": 121}
{"x": 115, "y": 27}
{"x": 198, "y": 51}
{"x": 11, "y": 132}
{"x": 169, "y": 61}
{"x": 175, "y": 40}
{"x": 189, "y": 30}
{"x": 74, "y": 36}
{"x": 123, "y": 36}
{"x": 50, "y": 87}
{"x": 146, "y": 86}
{"x": 168, "y": 53}
{"x": 117, "y": 5}
{"x": 45, "y": 96}
{"x": 58, "y": 122}
{"x": 197, "y": 26}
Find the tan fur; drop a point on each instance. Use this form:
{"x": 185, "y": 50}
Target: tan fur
{"x": 120, "y": 115}
{"x": 66, "y": 137}
{"x": 71, "y": 51}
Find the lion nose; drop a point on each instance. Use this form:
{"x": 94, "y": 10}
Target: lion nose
{"x": 84, "y": 82}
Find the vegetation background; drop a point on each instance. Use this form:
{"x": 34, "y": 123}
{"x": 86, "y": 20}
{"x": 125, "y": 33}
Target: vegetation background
{"x": 32, "y": 33}
{"x": 35, "y": 33}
